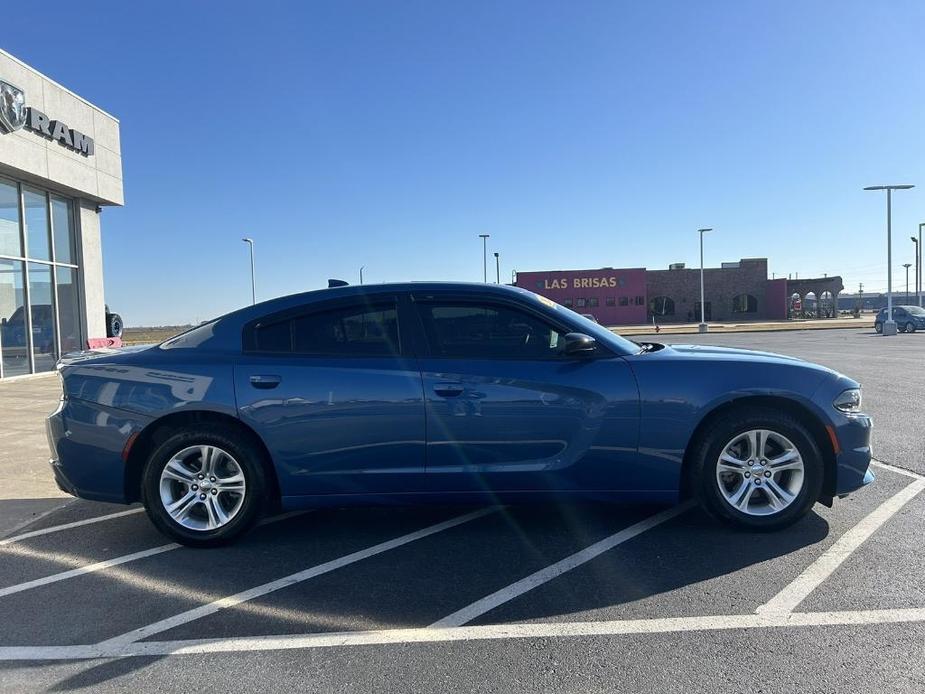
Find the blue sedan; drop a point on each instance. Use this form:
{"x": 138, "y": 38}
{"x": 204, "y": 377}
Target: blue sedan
{"x": 450, "y": 392}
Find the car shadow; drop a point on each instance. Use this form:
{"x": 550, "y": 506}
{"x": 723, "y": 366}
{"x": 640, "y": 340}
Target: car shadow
{"x": 416, "y": 584}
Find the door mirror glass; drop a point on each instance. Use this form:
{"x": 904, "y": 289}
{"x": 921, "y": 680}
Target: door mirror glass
{"x": 580, "y": 344}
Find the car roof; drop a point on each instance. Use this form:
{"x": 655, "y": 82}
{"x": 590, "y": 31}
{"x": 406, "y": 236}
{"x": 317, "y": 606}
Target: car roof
{"x": 231, "y": 322}
{"x": 347, "y": 291}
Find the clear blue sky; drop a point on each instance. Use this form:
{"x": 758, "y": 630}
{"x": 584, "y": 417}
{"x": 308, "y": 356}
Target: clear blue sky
{"x": 578, "y": 134}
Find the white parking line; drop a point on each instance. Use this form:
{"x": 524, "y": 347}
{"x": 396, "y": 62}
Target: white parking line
{"x": 665, "y": 625}
{"x": 286, "y": 581}
{"x": 68, "y": 526}
{"x": 116, "y": 561}
{"x": 489, "y": 602}
{"x": 900, "y": 470}
{"x": 804, "y": 584}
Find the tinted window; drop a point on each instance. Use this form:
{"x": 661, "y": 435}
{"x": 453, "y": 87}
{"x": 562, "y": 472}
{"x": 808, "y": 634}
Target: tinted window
{"x": 466, "y": 331}
{"x": 353, "y": 331}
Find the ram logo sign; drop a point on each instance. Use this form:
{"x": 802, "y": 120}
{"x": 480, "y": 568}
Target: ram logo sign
{"x": 12, "y": 107}
{"x": 14, "y": 114}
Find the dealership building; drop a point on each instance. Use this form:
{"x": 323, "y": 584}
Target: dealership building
{"x": 734, "y": 291}
{"x": 60, "y": 164}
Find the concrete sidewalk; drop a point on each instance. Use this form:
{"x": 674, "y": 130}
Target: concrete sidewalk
{"x": 864, "y": 322}
{"x": 27, "y": 488}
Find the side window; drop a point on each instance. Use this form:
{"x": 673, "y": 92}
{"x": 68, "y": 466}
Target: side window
{"x": 476, "y": 331}
{"x": 356, "y": 331}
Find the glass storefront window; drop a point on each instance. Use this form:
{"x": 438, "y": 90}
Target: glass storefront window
{"x": 63, "y": 230}
{"x": 41, "y": 297}
{"x": 10, "y": 241}
{"x": 36, "y": 224}
{"x": 15, "y": 353}
{"x": 68, "y": 310}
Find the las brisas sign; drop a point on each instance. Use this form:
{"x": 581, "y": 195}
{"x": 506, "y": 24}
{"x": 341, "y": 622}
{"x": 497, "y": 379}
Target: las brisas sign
{"x": 580, "y": 282}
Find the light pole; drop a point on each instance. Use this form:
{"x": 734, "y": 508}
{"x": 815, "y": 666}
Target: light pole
{"x": 250, "y": 242}
{"x": 918, "y": 265}
{"x": 361, "y": 273}
{"x": 484, "y": 238}
{"x": 703, "y": 321}
{"x": 889, "y": 326}
{"x": 497, "y": 268}
{"x": 907, "y": 266}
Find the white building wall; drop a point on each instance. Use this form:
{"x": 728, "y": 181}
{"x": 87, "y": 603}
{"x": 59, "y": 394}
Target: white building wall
{"x": 91, "y": 182}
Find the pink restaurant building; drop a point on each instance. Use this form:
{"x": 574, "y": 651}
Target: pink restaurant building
{"x": 735, "y": 291}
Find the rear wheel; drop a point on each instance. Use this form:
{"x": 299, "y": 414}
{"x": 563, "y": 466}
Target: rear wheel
{"x": 910, "y": 327}
{"x": 204, "y": 488}
{"x": 758, "y": 469}
{"x": 878, "y": 327}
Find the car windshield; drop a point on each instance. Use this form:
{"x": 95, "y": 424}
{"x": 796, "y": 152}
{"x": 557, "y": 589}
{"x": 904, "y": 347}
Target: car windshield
{"x": 916, "y": 311}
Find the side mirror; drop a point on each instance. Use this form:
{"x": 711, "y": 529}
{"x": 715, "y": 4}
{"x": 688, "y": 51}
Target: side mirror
{"x": 579, "y": 344}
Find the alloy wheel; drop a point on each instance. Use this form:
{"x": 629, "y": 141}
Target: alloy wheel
{"x": 202, "y": 487}
{"x": 760, "y": 472}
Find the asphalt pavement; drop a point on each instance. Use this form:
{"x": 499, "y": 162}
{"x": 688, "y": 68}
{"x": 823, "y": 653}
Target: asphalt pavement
{"x": 538, "y": 598}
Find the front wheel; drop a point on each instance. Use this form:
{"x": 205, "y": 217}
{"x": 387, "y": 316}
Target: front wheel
{"x": 758, "y": 469}
{"x": 204, "y": 487}
{"x": 878, "y": 327}
{"x": 910, "y": 327}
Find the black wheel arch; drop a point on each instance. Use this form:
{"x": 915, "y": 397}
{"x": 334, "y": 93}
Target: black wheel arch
{"x": 160, "y": 429}
{"x": 793, "y": 408}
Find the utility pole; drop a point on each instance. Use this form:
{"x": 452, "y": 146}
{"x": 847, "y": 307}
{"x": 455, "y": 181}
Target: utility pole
{"x": 889, "y": 325}
{"x": 250, "y": 242}
{"x": 907, "y": 266}
{"x": 703, "y": 322}
{"x": 361, "y": 273}
{"x": 918, "y": 284}
{"x": 484, "y": 238}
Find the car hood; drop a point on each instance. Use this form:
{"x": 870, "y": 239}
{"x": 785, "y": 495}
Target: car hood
{"x": 711, "y": 353}
{"x": 730, "y": 353}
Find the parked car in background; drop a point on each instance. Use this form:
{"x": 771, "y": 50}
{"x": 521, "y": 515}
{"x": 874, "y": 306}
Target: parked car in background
{"x": 455, "y": 392}
{"x": 908, "y": 319}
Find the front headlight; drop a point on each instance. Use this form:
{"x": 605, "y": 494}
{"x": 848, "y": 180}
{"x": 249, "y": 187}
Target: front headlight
{"x": 848, "y": 401}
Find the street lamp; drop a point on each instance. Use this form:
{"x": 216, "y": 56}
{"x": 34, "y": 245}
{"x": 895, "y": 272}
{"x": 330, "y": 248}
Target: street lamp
{"x": 703, "y": 321}
{"x": 907, "y": 266}
{"x": 484, "y": 238}
{"x": 889, "y": 326}
{"x": 918, "y": 264}
{"x": 250, "y": 242}
{"x": 497, "y": 268}
{"x": 361, "y": 273}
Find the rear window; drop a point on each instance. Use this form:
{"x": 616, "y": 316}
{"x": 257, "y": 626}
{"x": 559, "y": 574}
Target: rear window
{"x": 358, "y": 331}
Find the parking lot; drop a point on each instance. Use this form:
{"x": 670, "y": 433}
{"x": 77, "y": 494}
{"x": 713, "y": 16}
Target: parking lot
{"x": 547, "y": 597}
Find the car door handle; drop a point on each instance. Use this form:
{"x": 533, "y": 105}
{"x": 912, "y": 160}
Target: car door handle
{"x": 265, "y": 381}
{"x": 448, "y": 390}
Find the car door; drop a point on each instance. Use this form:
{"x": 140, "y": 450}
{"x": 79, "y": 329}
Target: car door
{"x": 335, "y": 394}
{"x": 508, "y": 410}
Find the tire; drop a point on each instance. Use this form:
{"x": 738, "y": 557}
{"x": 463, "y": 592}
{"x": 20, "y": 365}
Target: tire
{"x": 878, "y": 327}
{"x": 113, "y": 325}
{"x": 901, "y": 328}
{"x": 234, "y": 456}
{"x": 910, "y": 327}
{"x": 718, "y": 488}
